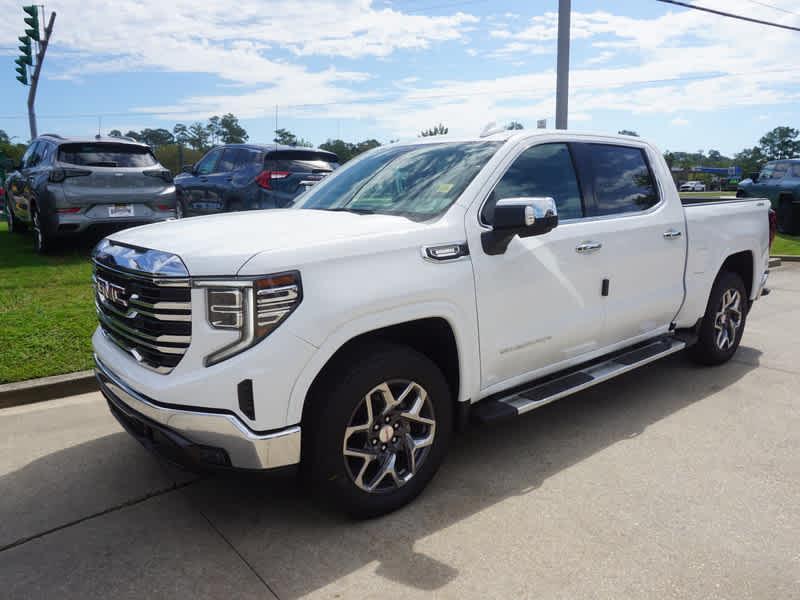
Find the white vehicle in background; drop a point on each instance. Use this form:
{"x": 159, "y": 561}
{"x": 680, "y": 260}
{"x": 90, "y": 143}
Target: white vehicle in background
{"x": 417, "y": 287}
{"x": 693, "y": 186}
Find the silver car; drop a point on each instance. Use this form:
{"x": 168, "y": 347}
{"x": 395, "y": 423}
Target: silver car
{"x": 65, "y": 186}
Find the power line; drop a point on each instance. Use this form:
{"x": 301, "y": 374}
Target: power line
{"x": 731, "y": 15}
{"x": 424, "y": 97}
{"x": 772, "y": 6}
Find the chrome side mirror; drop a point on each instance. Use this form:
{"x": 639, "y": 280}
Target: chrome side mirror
{"x": 519, "y": 216}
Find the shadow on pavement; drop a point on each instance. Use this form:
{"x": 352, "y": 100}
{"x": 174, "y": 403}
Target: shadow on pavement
{"x": 299, "y": 547}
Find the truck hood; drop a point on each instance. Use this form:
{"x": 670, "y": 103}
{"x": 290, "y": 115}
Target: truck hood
{"x": 222, "y": 244}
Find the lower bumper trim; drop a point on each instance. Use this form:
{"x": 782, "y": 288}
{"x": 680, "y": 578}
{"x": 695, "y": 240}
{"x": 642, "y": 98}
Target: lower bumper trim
{"x": 213, "y": 438}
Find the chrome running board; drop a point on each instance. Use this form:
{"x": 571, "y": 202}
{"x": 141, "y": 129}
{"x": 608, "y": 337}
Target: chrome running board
{"x": 537, "y": 395}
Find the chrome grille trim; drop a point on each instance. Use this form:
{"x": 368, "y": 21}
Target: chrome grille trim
{"x": 147, "y": 316}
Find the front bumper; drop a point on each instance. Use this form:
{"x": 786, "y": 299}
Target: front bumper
{"x": 210, "y": 438}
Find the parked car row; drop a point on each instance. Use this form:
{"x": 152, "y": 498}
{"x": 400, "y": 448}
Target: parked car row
{"x": 66, "y": 186}
{"x": 693, "y": 186}
{"x": 779, "y": 181}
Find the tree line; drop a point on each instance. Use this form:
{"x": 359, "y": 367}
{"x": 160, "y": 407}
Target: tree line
{"x": 187, "y": 143}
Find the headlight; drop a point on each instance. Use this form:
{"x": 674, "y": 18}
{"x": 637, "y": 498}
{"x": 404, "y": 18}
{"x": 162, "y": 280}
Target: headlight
{"x": 254, "y": 308}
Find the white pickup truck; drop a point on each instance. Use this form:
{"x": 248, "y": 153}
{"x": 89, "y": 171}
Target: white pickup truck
{"x": 419, "y": 286}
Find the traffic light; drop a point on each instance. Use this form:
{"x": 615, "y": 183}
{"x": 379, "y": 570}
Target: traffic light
{"x": 23, "y": 74}
{"x": 26, "y": 50}
{"x": 32, "y": 21}
{"x": 26, "y": 57}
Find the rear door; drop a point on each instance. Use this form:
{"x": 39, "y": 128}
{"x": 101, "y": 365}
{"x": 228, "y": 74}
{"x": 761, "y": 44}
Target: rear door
{"x": 643, "y": 239}
{"x": 292, "y": 172}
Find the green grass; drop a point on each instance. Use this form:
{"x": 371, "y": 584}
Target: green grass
{"x": 786, "y": 245}
{"x": 46, "y": 310}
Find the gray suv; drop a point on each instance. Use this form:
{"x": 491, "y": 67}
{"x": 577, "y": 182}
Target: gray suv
{"x": 65, "y": 186}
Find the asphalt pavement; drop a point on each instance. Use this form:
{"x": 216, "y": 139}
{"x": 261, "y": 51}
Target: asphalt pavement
{"x": 673, "y": 481}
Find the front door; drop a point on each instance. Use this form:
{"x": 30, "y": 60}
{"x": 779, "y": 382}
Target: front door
{"x": 199, "y": 192}
{"x": 539, "y": 304}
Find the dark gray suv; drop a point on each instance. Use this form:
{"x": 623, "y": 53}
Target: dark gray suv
{"x": 250, "y": 176}
{"x": 65, "y": 186}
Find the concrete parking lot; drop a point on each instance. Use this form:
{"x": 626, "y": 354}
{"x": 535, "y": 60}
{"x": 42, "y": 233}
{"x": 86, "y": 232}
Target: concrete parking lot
{"x": 673, "y": 481}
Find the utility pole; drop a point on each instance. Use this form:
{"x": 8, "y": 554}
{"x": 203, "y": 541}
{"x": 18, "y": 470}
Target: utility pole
{"x": 32, "y": 34}
{"x": 562, "y": 67}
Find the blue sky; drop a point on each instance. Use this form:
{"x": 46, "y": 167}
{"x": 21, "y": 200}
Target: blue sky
{"x": 359, "y": 69}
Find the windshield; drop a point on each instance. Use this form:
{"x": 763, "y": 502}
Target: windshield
{"x": 106, "y": 154}
{"x": 419, "y": 182}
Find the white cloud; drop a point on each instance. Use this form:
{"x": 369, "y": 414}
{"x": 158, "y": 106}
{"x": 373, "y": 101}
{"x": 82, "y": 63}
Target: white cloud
{"x": 679, "y": 121}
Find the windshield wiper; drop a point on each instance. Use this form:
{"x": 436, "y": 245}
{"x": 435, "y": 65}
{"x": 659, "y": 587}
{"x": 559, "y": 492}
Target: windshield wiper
{"x": 358, "y": 211}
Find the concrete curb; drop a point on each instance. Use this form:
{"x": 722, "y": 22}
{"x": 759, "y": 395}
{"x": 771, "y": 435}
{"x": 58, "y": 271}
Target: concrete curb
{"x": 46, "y": 388}
{"x": 787, "y": 258}
{"x": 774, "y": 261}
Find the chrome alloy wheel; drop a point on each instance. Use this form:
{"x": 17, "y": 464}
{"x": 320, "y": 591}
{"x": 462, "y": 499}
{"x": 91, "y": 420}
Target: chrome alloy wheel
{"x": 728, "y": 319}
{"x": 389, "y": 436}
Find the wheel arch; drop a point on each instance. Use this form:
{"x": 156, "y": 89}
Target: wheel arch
{"x": 436, "y": 336}
{"x": 742, "y": 264}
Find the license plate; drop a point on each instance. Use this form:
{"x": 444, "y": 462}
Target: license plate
{"x": 120, "y": 210}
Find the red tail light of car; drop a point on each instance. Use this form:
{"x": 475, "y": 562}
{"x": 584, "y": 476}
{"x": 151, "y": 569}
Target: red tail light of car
{"x": 265, "y": 178}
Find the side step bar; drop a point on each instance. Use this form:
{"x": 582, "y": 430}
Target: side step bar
{"x": 489, "y": 411}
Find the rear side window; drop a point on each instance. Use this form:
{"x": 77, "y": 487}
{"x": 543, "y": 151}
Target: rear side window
{"x": 106, "y": 155}
{"x": 234, "y": 159}
{"x": 541, "y": 171}
{"x": 301, "y": 162}
{"x": 622, "y": 180}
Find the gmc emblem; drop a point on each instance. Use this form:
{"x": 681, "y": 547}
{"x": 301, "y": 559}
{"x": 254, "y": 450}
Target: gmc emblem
{"x": 111, "y": 293}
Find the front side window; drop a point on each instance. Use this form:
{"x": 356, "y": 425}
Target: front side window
{"x": 541, "y": 171}
{"x": 780, "y": 170}
{"x": 419, "y": 182}
{"x": 106, "y": 154}
{"x": 622, "y": 180}
{"x": 231, "y": 157}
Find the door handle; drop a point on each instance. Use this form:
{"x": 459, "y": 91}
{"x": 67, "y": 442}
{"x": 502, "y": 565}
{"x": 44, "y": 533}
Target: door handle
{"x": 587, "y": 247}
{"x": 204, "y": 179}
{"x": 672, "y": 234}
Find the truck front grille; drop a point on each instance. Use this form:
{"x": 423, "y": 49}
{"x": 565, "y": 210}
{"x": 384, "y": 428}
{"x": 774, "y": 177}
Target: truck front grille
{"x": 147, "y": 316}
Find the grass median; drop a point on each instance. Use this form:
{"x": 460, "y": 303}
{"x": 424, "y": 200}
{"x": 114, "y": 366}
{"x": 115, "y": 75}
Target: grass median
{"x": 46, "y": 310}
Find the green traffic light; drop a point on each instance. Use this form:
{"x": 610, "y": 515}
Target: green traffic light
{"x": 26, "y": 50}
{"x": 33, "y": 16}
{"x": 33, "y": 34}
{"x": 23, "y": 79}
{"x": 25, "y": 39}
{"x": 21, "y": 70}
{"x": 24, "y": 60}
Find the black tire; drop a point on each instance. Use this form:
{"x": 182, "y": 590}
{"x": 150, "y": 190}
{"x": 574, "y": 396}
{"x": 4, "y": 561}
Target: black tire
{"x": 722, "y": 328}
{"x": 14, "y": 224}
{"x": 788, "y": 217}
{"x": 340, "y": 405}
{"x": 43, "y": 242}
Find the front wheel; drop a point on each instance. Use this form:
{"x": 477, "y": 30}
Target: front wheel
{"x": 378, "y": 431}
{"x": 723, "y": 324}
{"x": 14, "y": 224}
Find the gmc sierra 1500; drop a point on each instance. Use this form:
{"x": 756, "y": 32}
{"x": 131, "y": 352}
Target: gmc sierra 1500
{"x": 420, "y": 285}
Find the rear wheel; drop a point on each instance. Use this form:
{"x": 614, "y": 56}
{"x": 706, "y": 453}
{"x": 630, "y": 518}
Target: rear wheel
{"x": 42, "y": 241}
{"x": 788, "y": 216}
{"x": 723, "y": 324}
{"x": 378, "y": 432}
